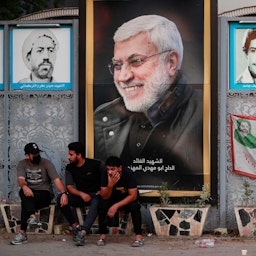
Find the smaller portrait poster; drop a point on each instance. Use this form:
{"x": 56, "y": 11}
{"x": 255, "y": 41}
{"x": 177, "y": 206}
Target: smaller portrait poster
{"x": 1, "y": 58}
{"x": 41, "y": 58}
{"x": 242, "y": 60}
{"x": 243, "y": 143}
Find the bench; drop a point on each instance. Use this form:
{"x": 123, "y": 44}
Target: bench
{"x": 124, "y": 222}
{"x": 11, "y": 217}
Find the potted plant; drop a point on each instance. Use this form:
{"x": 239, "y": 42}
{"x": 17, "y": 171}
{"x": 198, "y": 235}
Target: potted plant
{"x": 180, "y": 219}
{"x": 164, "y": 195}
{"x": 246, "y": 212}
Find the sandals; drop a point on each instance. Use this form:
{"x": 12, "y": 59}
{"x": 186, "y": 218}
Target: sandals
{"x": 137, "y": 243}
{"x": 101, "y": 242}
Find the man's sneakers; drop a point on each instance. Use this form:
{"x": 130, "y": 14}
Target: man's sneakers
{"x": 19, "y": 239}
{"x": 34, "y": 222}
{"x": 75, "y": 229}
{"x": 79, "y": 239}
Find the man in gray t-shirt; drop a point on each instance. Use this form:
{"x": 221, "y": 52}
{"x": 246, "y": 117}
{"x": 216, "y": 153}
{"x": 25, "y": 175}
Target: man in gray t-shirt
{"x": 35, "y": 176}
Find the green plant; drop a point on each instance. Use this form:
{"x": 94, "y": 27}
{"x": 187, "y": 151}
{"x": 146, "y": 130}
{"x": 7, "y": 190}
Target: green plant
{"x": 204, "y": 197}
{"x": 248, "y": 194}
{"x": 164, "y": 194}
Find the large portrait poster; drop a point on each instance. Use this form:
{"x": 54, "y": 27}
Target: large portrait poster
{"x": 151, "y": 91}
{"x": 41, "y": 58}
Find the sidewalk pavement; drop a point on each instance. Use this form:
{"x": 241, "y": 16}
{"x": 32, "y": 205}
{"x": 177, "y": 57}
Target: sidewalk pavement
{"x": 120, "y": 245}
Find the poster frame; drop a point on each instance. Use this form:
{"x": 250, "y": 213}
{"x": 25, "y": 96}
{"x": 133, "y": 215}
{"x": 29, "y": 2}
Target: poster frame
{"x": 206, "y": 95}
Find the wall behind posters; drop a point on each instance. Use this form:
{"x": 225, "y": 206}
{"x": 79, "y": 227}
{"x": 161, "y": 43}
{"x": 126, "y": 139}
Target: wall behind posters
{"x": 237, "y": 99}
{"x": 42, "y": 111}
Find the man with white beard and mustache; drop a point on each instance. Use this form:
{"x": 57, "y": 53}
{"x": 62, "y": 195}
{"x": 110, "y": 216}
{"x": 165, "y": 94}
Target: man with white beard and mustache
{"x": 156, "y": 126}
{"x": 39, "y": 55}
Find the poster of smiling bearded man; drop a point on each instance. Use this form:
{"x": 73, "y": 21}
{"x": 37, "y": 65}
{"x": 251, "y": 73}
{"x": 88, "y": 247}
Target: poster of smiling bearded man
{"x": 149, "y": 96}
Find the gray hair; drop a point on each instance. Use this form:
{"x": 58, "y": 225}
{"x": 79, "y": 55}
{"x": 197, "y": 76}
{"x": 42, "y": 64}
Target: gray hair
{"x": 161, "y": 31}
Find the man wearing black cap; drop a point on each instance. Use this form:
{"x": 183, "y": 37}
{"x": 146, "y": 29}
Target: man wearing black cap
{"x": 35, "y": 176}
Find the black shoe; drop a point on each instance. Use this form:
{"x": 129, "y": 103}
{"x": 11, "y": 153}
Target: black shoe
{"x": 75, "y": 229}
{"x": 79, "y": 239}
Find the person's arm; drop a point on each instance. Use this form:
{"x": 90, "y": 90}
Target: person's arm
{"x": 107, "y": 191}
{"x": 72, "y": 190}
{"x": 22, "y": 181}
{"x": 132, "y": 196}
{"x": 24, "y": 186}
{"x": 61, "y": 188}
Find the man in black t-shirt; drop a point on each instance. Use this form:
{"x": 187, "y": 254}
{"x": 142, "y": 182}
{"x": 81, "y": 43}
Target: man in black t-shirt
{"x": 83, "y": 186}
{"x": 118, "y": 191}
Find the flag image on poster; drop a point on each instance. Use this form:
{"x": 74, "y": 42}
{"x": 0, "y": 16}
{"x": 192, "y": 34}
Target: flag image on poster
{"x": 243, "y": 144}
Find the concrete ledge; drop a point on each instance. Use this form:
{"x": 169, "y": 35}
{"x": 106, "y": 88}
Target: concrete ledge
{"x": 123, "y": 223}
{"x": 11, "y": 216}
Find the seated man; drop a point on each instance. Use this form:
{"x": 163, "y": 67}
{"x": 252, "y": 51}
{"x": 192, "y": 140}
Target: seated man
{"x": 118, "y": 190}
{"x": 35, "y": 176}
{"x": 83, "y": 186}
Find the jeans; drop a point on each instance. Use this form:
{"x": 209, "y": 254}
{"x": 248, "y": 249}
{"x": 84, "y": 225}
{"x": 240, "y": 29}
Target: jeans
{"x": 29, "y": 205}
{"x": 133, "y": 208}
{"x": 76, "y": 201}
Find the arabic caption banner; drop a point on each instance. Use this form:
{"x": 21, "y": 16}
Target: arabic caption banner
{"x": 243, "y": 144}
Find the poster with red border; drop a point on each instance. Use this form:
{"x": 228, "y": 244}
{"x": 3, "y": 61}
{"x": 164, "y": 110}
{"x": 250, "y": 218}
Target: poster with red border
{"x": 243, "y": 144}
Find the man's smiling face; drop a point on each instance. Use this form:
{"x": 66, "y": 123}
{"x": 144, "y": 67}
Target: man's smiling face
{"x": 140, "y": 86}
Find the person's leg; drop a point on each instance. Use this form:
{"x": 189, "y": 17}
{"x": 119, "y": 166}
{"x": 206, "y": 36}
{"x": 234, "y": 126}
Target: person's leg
{"x": 42, "y": 198}
{"x": 74, "y": 201}
{"x": 67, "y": 211}
{"x": 136, "y": 217}
{"x": 90, "y": 218}
{"x": 29, "y": 205}
{"x": 104, "y": 205}
{"x": 27, "y": 208}
{"x": 92, "y": 213}
{"x": 21, "y": 237}
{"x": 134, "y": 208}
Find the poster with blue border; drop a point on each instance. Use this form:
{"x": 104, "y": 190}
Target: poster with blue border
{"x": 1, "y": 58}
{"x": 41, "y": 58}
{"x": 242, "y": 56}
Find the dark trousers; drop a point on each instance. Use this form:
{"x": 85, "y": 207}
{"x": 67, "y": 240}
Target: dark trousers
{"x": 76, "y": 201}
{"x": 29, "y": 205}
{"x": 133, "y": 208}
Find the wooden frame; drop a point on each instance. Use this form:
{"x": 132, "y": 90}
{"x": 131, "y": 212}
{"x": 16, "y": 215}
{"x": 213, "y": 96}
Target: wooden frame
{"x": 93, "y": 71}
